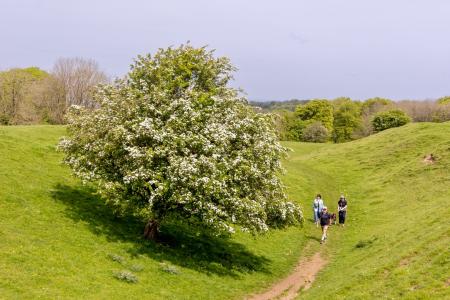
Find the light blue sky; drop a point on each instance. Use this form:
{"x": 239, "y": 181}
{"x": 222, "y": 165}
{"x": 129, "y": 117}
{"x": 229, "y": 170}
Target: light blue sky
{"x": 283, "y": 49}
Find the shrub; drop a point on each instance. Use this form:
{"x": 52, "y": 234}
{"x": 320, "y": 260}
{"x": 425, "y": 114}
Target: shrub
{"x": 170, "y": 269}
{"x": 316, "y": 133}
{"x": 117, "y": 258}
{"x": 126, "y": 276}
{"x": 390, "y": 119}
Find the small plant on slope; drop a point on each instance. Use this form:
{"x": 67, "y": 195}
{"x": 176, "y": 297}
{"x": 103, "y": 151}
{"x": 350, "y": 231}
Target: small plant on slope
{"x": 117, "y": 258}
{"x": 126, "y": 276}
{"x": 170, "y": 269}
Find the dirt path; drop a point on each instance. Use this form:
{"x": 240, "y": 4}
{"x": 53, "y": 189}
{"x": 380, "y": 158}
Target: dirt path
{"x": 302, "y": 278}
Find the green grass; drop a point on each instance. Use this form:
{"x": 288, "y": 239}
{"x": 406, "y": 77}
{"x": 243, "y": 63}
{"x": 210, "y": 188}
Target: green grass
{"x": 396, "y": 243}
{"x": 58, "y": 239}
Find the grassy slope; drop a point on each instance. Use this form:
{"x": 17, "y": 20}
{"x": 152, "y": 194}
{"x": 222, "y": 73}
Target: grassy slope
{"x": 56, "y": 239}
{"x": 56, "y": 236}
{"x": 396, "y": 244}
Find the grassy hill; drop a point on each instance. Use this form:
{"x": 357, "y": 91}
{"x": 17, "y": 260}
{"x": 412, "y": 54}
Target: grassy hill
{"x": 396, "y": 244}
{"x": 58, "y": 239}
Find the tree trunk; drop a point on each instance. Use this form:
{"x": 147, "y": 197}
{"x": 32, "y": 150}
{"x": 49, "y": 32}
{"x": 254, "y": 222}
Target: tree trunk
{"x": 151, "y": 230}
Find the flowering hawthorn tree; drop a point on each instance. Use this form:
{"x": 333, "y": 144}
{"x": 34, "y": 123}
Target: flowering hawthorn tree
{"x": 172, "y": 139}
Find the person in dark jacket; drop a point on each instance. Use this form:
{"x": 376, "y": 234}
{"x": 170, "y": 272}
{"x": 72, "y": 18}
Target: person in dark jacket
{"x": 342, "y": 209}
{"x": 325, "y": 219}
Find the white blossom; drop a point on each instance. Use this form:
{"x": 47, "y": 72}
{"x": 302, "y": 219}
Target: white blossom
{"x": 218, "y": 162}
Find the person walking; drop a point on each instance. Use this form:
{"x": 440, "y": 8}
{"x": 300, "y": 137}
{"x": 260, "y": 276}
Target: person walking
{"x": 317, "y": 208}
{"x": 342, "y": 209}
{"x": 325, "y": 219}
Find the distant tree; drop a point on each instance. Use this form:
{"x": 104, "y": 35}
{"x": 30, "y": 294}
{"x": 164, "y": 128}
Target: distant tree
{"x": 317, "y": 110}
{"x": 296, "y": 128}
{"x": 369, "y": 108}
{"x": 31, "y": 95}
{"x": 49, "y": 101}
{"x": 173, "y": 140}
{"x": 36, "y": 73}
{"x": 316, "y": 133}
{"x": 390, "y": 119}
{"x": 421, "y": 111}
{"x": 374, "y": 105}
{"x": 347, "y": 119}
{"x": 273, "y": 106}
{"x": 16, "y": 98}
{"x": 284, "y": 121}
{"x": 444, "y": 100}
{"x": 71, "y": 82}
{"x": 288, "y": 126}
{"x": 442, "y": 111}
{"x": 75, "y": 79}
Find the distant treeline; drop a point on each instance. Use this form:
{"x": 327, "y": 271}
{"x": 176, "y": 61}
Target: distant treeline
{"x": 344, "y": 119}
{"x": 267, "y": 106}
{"x": 33, "y": 96}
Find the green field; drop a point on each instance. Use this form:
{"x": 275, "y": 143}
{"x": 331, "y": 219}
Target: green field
{"x": 58, "y": 239}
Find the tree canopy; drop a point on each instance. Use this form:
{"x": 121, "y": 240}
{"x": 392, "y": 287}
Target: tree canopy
{"x": 172, "y": 139}
{"x": 317, "y": 110}
{"x": 444, "y": 100}
{"x": 346, "y": 119}
{"x": 16, "y": 101}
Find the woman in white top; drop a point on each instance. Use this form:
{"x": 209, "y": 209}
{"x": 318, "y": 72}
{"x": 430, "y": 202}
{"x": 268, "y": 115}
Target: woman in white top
{"x": 317, "y": 208}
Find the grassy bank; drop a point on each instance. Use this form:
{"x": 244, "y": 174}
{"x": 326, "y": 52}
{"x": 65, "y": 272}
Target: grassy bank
{"x": 396, "y": 243}
{"x": 58, "y": 239}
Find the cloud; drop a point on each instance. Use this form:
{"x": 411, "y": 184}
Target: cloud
{"x": 298, "y": 38}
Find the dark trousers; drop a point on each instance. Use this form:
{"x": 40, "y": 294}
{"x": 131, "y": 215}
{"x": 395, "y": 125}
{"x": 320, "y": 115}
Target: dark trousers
{"x": 342, "y": 215}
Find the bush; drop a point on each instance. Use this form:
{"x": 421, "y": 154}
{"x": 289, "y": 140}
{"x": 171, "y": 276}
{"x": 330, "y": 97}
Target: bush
{"x": 117, "y": 258}
{"x": 390, "y": 119}
{"x": 170, "y": 269}
{"x": 126, "y": 276}
{"x": 316, "y": 133}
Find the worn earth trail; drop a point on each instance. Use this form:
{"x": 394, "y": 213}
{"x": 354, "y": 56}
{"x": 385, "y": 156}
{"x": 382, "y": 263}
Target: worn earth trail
{"x": 301, "y": 279}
